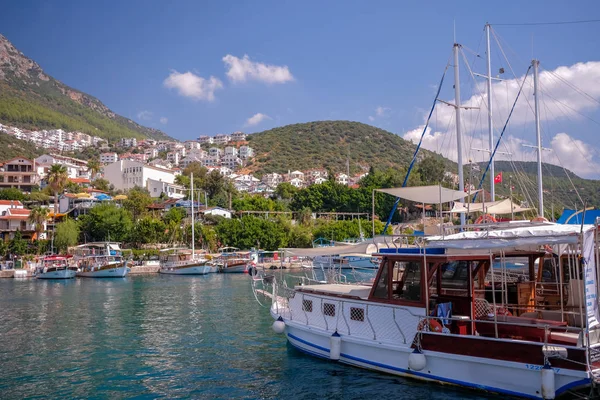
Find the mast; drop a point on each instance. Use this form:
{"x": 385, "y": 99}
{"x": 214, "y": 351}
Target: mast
{"x": 192, "y": 197}
{"x": 489, "y": 106}
{"x": 461, "y": 182}
{"x": 536, "y": 89}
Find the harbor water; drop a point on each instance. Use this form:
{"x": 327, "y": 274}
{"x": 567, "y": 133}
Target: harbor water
{"x": 167, "y": 336}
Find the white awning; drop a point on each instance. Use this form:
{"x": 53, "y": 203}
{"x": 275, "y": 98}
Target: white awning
{"x": 496, "y": 207}
{"x": 365, "y": 248}
{"x": 426, "y": 194}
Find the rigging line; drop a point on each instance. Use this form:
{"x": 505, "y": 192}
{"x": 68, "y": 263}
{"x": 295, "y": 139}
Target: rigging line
{"x": 585, "y": 21}
{"x": 414, "y": 158}
{"x": 572, "y": 86}
{"x": 502, "y": 133}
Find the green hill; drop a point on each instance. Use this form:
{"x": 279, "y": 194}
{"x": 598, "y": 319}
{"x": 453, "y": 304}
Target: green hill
{"x": 33, "y": 100}
{"x": 330, "y": 144}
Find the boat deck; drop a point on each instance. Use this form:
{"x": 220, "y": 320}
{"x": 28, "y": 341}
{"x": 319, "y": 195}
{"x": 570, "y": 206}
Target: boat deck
{"x": 338, "y": 289}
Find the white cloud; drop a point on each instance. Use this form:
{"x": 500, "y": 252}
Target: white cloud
{"x": 164, "y": 120}
{"x": 243, "y": 69}
{"x": 382, "y": 111}
{"x": 256, "y": 119}
{"x": 371, "y": 118}
{"x": 559, "y": 102}
{"x": 191, "y": 85}
{"x": 144, "y": 115}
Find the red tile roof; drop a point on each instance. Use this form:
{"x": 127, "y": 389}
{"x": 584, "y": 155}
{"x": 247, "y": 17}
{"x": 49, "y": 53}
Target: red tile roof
{"x": 10, "y": 202}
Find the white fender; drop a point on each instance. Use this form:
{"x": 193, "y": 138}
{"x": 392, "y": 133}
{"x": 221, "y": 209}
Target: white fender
{"x": 335, "y": 346}
{"x": 416, "y": 360}
{"x": 548, "y": 387}
{"x": 279, "y": 325}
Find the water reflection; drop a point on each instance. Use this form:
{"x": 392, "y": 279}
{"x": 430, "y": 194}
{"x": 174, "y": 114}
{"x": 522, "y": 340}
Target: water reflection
{"x": 165, "y": 335}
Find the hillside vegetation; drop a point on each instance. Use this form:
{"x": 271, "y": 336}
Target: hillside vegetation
{"x": 330, "y": 144}
{"x": 31, "y": 99}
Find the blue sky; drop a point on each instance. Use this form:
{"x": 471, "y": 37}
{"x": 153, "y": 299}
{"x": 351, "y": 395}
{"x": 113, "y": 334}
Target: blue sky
{"x": 329, "y": 60}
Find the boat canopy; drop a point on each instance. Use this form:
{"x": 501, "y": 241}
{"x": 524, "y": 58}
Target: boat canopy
{"x": 497, "y": 207}
{"x": 426, "y": 194}
{"x": 364, "y": 248}
{"x": 574, "y": 217}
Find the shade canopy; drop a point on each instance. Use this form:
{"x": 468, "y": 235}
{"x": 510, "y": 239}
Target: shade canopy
{"x": 120, "y": 197}
{"x": 495, "y": 207}
{"x": 426, "y": 194}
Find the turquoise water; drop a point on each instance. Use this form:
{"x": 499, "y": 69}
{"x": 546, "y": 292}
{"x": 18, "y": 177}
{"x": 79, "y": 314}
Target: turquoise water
{"x": 166, "y": 336}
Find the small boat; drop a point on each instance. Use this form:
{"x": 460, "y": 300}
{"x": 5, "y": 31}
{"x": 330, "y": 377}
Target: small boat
{"x": 100, "y": 260}
{"x": 231, "y": 260}
{"x": 347, "y": 261}
{"x": 56, "y": 267}
{"x": 181, "y": 261}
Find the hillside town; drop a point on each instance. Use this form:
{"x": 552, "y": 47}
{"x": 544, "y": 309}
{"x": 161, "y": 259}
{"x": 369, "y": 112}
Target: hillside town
{"x": 151, "y": 164}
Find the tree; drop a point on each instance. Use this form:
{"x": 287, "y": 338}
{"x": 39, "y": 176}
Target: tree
{"x": 94, "y": 167}
{"x": 148, "y": 230}
{"x": 102, "y": 184}
{"x": 38, "y": 216}
{"x": 286, "y": 191}
{"x": 175, "y": 214}
{"x": 137, "y": 202}
{"x": 432, "y": 170}
{"x": 106, "y": 222}
{"x": 57, "y": 180}
{"x": 18, "y": 245}
{"x": 66, "y": 234}
{"x": 11, "y": 194}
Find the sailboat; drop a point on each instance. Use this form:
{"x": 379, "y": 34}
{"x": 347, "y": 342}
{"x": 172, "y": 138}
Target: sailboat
{"x": 431, "y": 315}
{"x": 183, "y": 261}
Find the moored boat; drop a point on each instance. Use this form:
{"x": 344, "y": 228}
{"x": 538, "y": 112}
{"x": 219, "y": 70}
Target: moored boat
{"x": 56, "y": 267}
{"x": 100, "y": 260}
{"x": 181, "y": 261}
{"x": 432, "y": 315}
{"x": 231, "y": 260}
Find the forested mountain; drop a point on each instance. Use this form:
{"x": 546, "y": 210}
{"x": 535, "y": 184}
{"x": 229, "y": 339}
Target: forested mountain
{"x": 31, "y": 99}
{"x": 331, "y": 145}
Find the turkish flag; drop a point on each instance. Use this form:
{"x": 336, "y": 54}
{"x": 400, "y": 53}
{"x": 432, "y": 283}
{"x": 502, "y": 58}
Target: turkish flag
{"x": 498, "y": 178}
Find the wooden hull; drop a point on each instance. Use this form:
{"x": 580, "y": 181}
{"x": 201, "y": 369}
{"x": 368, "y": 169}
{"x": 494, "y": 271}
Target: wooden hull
{"x": 57, "y": 274}
{"x": 116, "y": 272}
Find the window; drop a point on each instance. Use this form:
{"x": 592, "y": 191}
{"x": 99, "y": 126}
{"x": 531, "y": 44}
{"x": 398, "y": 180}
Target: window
{"x": 407, "y": 281}
{"x": 307, "y": 305}
{"x": 381, "y": 290}
{"x": 329, "y": 309}
{"x": 357, "y": 314}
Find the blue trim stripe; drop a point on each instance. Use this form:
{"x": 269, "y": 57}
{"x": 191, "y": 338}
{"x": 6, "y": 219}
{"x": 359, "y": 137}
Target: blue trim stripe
{"x": 437, "y": 378}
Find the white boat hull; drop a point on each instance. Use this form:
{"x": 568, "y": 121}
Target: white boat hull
{"x": 117, "y": 272}
{"x": 191, "y": 270}
{"x": 60, "y": 274}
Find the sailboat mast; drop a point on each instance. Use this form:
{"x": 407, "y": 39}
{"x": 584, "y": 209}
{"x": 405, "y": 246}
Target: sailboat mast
{"x": 192, "y": 204}
{"x": 461, "y": 182}
{"x": 489, "y": 106}
{"x": 536, "y": 89}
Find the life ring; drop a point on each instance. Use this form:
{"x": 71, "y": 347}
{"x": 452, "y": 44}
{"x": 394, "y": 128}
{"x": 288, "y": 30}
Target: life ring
{"x": 539, "y": 219}
{"x": 485, "y": 218}
{"x": 433, "y": 326}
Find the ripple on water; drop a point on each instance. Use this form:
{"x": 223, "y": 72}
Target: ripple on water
{"x": 166, "y": 336}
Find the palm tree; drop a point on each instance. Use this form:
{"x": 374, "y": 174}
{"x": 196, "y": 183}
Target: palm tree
{"x": 37, "y": 217}
{"x": 57, "y": 180}
{"x": 94, "y": 167}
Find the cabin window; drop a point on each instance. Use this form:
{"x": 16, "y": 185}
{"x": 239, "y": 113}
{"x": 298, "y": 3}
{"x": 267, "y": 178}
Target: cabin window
{"x": 407, "y": 281}
{"x": 357, "y": 314}
{"x": 381, "y": 290}
{"x": 307, "y": 305}
{"x": 329, "y": 309}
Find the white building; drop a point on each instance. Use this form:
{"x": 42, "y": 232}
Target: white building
{"x": 206, "y": 140}
{"x": 231, "y": 161}
{"x": 151, "y": 152}
{"x": 230, "y": 151}
{"x": 238, "y": 136}
{"x": 272, "y": 180}
{"x": 192, "y": 145}
{"x": 211, "y": 161}
{"x": 246, "y": 152}
{"x": 342, "y": 179}
{"x": 222, "y": 139}
{"x": 173, "y": 191}
{"x": 215, "y": 151}
{"x": 173, "y": 157}
{"x": 125, "y": 174}
{"x": 217, "y": 211}
{"x": 108, "y": 158}
{"x": 128, "y": 142}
